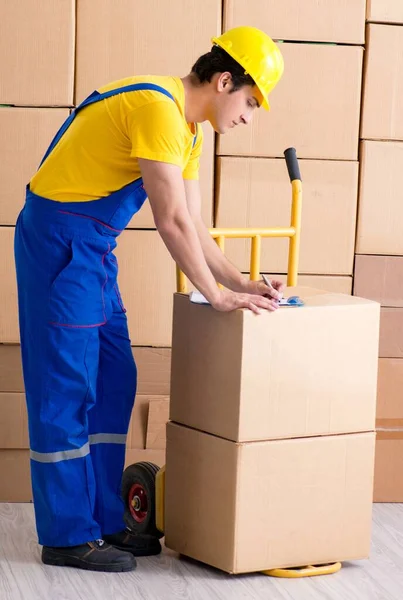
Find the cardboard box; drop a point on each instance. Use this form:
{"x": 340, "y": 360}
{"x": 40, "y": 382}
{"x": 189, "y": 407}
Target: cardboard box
{"x": 37, "y": 52}
{"x": 15, "y": 476}
{"x": 147, "y": 283}
{"x": 379, "y": 278}
{"x": 382, "y": 111}
{"x": 158, "y": 415}
{"x": 11, "y": 378}
{"x": 14, "y": 421}
{"x": 144, "y": 218}
{"x": 385, "y": 11}
{"x": 26, "y": 134}
{"x": 255, "y": 192}
{"x": 391, "y": 333}
{"x": 153, "y": 370}
{"x": 310, "y": 21}
{"x": 390, "y": 385}
{"x": 293, "y": 373}
{"x": 262, "y": 505}
{"x": 326, "y": 283}
{"x": 119, "y": 38}
{"x": 9, "y": 328}
{"x": 146, "y": 280}
{"x": 380, "y": 212}
{"x": 138, "y": 427}
{"x": 388, "y": 480}
{"x": 139, "y": 455}
{"x": 315, "y": 107}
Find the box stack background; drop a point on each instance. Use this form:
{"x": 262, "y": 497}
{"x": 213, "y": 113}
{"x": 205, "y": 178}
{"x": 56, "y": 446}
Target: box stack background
{"x": 82, "y": 44}
{"x": 379, "y": 245}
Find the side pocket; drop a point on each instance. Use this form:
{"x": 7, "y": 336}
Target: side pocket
{"x": 117, "y": 302}
{"x": 119, "y": 299}
{"x": 77, "y": 295}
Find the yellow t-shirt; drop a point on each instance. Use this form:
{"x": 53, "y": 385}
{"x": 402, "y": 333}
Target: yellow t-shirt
{"x": 98, "y": 153}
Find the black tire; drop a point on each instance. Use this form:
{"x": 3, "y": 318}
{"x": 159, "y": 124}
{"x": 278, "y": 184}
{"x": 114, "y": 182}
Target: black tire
{"x": 138, "y": 493}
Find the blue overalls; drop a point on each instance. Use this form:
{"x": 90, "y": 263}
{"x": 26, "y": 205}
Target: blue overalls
{"x": 80, "y": 376}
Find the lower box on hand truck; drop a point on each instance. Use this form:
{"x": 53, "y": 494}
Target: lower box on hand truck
{"x": 244, "y": 507}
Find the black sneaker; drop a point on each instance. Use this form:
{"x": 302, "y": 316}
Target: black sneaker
{"x": 92, "y": 556}
{"x": 136, "y": 544}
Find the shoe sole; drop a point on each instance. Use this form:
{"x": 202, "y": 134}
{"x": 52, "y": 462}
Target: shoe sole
{"x": 64, "y": 561}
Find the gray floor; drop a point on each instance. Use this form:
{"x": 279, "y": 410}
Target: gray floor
{"x": 166, "y": 577}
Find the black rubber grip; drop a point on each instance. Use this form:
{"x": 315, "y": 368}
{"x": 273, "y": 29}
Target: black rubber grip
{"x": 292, "y": 164}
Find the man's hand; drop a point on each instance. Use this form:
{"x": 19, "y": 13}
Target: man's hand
{"x": 259, "y": 288}
{"x": 227, "y": 301}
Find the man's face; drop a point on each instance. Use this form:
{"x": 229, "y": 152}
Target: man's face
{"x": 231, "y": 109}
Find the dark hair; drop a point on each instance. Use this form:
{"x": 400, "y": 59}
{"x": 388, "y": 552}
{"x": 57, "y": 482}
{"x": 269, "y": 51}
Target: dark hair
{"x": 219, "y": 61}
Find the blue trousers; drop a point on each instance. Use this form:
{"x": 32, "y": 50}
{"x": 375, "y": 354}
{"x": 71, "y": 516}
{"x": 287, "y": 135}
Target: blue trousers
{"x": 80, "y": 376}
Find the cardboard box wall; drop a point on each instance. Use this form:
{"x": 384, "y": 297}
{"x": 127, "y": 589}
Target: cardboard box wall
{"x": 153, "y": 370}
{"x": 9, "y": 328}
{"x": 253, "y": 192}
{"x": 385, "y": 11}
{"x": 380, "y": 214}
{"x": 26, "y": 134}
{"x": 147, "y": 284}
{"x": 379, "y": 278}
{"x": 158, "y": 415}
{"x": 315, "y": 107}
{"x": 146, "y": 279}
{"x": 15, "y": 476}
{"x": 293, "y": 373}
{"x": 388, "y": 480}
{"x": 326, "y": 283}
{"x": 391, "y": 333}
{"x": 119, "y": 38}
{"x": 311, "y": 20}
{"x": 390, "y": 386}
{"x": 382, "y": 110}
{"x": 37, "y": 45}
{"x": 276, "y": 503}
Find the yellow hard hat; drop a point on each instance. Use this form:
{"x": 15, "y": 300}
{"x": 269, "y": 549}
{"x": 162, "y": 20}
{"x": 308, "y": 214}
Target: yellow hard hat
{"x": 256, "y": 52}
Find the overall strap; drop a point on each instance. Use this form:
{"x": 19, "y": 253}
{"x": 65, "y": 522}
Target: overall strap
{"x": 97, "y": 97}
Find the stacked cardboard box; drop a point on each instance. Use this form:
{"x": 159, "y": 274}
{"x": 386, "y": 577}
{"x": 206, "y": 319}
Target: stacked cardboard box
{"x": 379, "y": 245}
{"x": 315, "y": 108}
{"x": 381, "y": 278}
{"x": 36, "y": 91}
{"x": 270, "y": 448}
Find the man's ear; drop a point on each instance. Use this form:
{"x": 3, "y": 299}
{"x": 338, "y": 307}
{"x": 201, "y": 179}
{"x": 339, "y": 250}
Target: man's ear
{"x": 224, "y": 81}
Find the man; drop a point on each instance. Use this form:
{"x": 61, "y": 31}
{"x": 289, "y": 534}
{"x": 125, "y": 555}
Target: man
{"x": 134, "y": 138}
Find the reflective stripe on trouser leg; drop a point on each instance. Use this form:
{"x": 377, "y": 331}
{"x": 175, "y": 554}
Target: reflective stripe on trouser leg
{"x": 63, "y": 481}
{"x": 109, "y": 420}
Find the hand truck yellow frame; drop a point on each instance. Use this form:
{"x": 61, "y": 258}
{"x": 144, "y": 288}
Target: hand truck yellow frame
{"x": 143, "y": 486}
{"x": 256, "y": 234}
